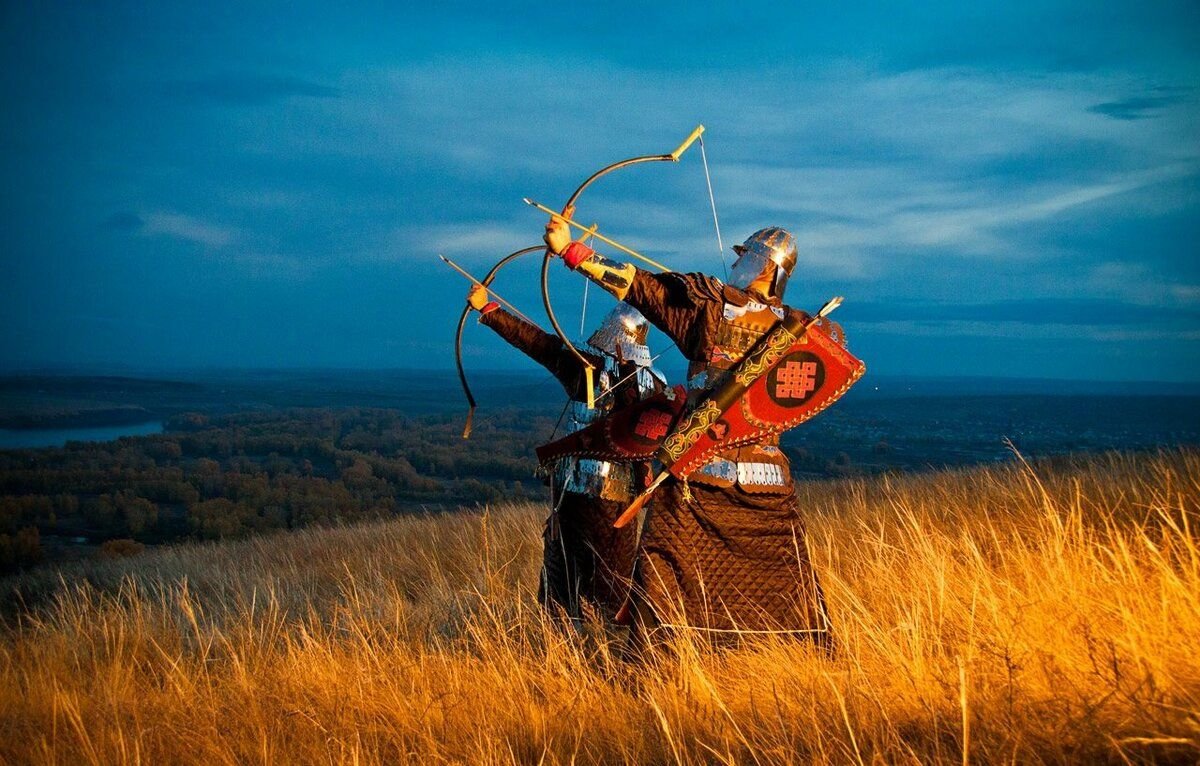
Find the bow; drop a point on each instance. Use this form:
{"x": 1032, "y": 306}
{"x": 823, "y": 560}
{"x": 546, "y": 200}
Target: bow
{"x": 462, "y": 323}
{"x": 568, "y": 211}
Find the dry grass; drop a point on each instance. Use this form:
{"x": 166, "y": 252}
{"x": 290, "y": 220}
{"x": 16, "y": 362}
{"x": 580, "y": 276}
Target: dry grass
{"x": 993, "y": 615}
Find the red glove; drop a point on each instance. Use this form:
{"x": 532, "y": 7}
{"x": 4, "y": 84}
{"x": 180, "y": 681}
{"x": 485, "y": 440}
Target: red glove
{"x": 576, "y": 253}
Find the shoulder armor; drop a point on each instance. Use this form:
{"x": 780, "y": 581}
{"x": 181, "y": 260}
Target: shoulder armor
{"x": 736, "y": 296}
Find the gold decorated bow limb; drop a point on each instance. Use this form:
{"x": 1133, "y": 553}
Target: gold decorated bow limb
{"x": 568, "y": 211}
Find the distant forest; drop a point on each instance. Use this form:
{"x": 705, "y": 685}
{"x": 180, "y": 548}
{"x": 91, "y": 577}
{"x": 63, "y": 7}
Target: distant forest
{"x": 233, "y": 475}
{"x": 214, "y": 477}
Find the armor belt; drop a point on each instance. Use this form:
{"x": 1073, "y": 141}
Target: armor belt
{"x": 755, "y": 468}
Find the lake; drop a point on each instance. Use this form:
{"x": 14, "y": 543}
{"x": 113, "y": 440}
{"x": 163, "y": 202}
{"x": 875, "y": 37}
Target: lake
{"x": 23, "y": 438}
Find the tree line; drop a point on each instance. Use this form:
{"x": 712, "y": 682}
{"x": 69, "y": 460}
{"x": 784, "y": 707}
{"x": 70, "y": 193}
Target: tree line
{"x": 213, "y": 477}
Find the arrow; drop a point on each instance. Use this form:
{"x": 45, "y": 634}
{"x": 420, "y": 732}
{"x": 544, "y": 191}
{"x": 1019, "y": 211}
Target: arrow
{"x": 591, "y": 231}
{"x": 489, "y": 290}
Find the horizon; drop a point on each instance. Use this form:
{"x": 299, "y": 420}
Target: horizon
{"x": 998, "y": 190}
{"x": 478, "y": 375}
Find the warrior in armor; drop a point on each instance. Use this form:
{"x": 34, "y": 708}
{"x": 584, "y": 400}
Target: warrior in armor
{"x": 723, "y": 551}
{"x": 584, "y": 557}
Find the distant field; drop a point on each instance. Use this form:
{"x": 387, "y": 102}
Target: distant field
{"x": 992, "y": 615}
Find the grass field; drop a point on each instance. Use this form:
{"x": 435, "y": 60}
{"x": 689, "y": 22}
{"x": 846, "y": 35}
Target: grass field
{"x": 1007, "y": 614}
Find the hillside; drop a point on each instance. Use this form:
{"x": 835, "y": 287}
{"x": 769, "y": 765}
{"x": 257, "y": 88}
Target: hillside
{"x": 1006, "y": 614}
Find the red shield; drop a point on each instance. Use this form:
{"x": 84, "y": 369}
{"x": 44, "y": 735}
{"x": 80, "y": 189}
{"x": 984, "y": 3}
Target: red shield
{"x": 813, "y": 374}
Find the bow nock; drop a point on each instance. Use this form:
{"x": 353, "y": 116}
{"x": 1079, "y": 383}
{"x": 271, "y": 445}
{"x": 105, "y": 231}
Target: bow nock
{"x": 691, "y": 139}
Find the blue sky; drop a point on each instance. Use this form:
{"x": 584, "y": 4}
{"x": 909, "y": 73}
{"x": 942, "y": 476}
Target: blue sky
{"x": 1000, "y": 189}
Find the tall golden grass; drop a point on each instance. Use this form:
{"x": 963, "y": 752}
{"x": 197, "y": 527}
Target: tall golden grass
{"x": 1008, "y": 614}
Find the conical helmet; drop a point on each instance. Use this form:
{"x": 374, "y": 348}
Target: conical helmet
{"x": 622, "y": 335}
{"x": 769, "y": 248}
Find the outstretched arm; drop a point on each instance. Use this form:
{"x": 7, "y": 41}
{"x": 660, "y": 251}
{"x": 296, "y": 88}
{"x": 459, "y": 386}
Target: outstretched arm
{"x": 542, "y": 347}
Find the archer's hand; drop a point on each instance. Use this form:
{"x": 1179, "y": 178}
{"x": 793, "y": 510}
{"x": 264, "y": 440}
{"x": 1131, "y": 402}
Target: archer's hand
{"x": 557, "y": 236}
{"x": 477, "y": 297}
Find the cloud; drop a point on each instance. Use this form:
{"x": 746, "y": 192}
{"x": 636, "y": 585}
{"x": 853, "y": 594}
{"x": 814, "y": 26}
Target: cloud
{"x": 1031, "y": 332}
{"x": 1139, "y": 107}
{"x": 842, "y": 214}
{"x": 979, "y": 189}
{"x": 249, "y": 89}
{"x": 187, "y": 228}
{"x": 1040, "y": 311}
{"x": 477, "y": 241}
{"x": 1136, "y": 283}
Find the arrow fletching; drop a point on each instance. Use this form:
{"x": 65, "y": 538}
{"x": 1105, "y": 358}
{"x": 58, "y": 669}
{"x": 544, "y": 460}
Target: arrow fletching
{"x": 829, "y": 306}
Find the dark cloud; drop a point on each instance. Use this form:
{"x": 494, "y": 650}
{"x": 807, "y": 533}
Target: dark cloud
{"x": 1039, "y": 311}
{"x": 124, "y": 221}
{"x": 1137, "y": 107}
{"x": 249, "y": 89}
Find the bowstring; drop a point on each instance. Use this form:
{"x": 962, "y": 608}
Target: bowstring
{"x": 712, "y": 201}
{"x": 583, "y": 315}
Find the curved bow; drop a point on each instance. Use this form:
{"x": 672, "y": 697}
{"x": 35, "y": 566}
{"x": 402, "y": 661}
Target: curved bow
{"x": 568, "y": 211}
{"x": 462, "y": 323}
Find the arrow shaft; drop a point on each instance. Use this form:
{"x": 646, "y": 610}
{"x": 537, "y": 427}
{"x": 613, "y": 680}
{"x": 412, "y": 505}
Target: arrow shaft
{"x": 591, "y": 230}
{"x": 489, "y": 290}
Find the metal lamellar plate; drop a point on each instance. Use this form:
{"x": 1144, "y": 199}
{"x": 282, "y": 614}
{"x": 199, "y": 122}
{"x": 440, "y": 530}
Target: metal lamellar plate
{"x": 597, "y": 478}
{"x": 763, "y": 474}
{"x": 600, "y": 478}
{"x": 749, "y": 475}
{"x": 721, "y": 469}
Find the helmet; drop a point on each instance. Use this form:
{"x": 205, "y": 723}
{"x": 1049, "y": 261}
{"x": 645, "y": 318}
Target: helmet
{"x": 769, "y": 248}
{"x": 622, "y": 335}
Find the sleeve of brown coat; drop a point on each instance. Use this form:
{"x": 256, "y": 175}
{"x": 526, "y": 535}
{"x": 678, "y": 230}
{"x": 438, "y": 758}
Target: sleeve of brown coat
{"x": 686, "y": 307}
{"x": 545, "y": 348}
